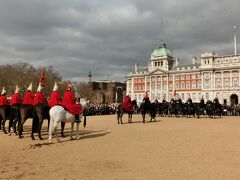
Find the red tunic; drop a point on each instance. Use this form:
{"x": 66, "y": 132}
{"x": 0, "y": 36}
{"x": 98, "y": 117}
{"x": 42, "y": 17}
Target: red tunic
{"x": 55, "y": 99}
{"x": 70, "y": 103}
{"x": 39, "y": 98}
{"x": 3, "y": 100}
{"x": 28, "y": 98}
{"x": 127, "y": 105}
{"x": 16, "y": 99}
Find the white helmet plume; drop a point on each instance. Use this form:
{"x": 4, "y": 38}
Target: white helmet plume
{"x": 55, "y": 88}
{"x": 30, "y": 87}
{"x": 39, "y": 89}
{"x": 3, "y": 91}
{"x": 17, "y": 89}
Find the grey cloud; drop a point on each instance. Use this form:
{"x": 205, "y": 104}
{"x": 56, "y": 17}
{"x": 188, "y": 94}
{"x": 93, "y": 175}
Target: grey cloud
{"x": 107, "y": 38}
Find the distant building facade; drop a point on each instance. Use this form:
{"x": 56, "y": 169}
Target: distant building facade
{"x": 164, "y": 77}
{"x": 106, "y": 91}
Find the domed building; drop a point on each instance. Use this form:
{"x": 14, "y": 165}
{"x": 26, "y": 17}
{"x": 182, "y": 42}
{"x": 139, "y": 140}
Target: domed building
{"x": 165, "y": 77}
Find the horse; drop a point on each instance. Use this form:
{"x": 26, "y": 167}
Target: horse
{"x": 171, "y": 108}
{"x": 190, "y": 108}
{"x": 200, "y": 108}
{"x": 121, "y": 111}
{"x": 37, "y": 113}
{"x": 148, "y": 107}
{"x": 217, "y": 108}
{"x": 59, "y": 114}
{"x": 5, "y": 113}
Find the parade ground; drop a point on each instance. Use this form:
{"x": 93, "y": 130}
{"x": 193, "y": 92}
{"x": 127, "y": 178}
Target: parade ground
{"x": 171, "y": 148}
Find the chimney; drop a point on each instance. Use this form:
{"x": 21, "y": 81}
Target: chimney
{"x": 194, "y": 60}
{"x": 135, "y": 68}
{"x": 177, "y": 62}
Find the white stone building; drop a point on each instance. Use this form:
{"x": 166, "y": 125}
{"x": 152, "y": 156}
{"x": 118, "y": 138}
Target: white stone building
{"x": 165, "y": 77}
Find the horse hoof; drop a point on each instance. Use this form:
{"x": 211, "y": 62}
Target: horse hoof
{"x": 40, "y": 138}
{"x": 32, "y": 138}
{"x": 78, "y": 138}
{"x": 9, "y": 134}
{"x": 50, "y": 141}
{"x": 71, "y": 138}
{"x": 58, "y": 140}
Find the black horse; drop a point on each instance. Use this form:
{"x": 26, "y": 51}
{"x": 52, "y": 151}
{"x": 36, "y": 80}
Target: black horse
{"x": 217, "y": 108}
{"x": 190, "y": 109}
{"x": 121, "y": 111}
{"x": 148, "y": 107}
{"x": 200, "y": 108}
{"x": 37, "y": 113}
{"x": 5, "y": 113}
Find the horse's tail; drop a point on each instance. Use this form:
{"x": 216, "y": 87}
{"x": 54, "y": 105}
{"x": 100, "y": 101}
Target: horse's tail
{"x": 84, "y": 121}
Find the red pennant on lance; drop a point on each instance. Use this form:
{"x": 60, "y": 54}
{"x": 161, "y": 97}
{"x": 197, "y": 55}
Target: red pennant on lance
{"x": 43, "y": 78}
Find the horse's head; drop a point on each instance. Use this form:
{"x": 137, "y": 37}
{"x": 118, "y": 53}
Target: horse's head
{"x": 84, "y": 103}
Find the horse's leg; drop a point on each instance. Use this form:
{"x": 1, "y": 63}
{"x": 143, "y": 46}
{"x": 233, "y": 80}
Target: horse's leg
{"x": 50, "y": 131}
{"x": 40, "y": 128}
{"x": 3, "y": 124}
{"x": 72, "y": 125}
{"x": 77, "y": 131}
{"x": 56, "y": 134}
{"x": 62, "y": 128}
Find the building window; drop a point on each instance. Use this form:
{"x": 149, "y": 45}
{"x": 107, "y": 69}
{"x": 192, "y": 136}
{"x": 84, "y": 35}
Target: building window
{"x": 161, "y": 63}
{"x": 170, "y": 86}
{"x": 194, "y": 96}
{"x": 182, "y": 85}
{"x": 170, "y": 77}
{"x": 235, "y": 82}
{"x": 176, "y": 85}
{"x": 176, "y": 77}
{"x": 226, "y": 82}
{"x": 164, "y": 85}
{"x": 218, "y": 83}
{"x": 226, "y": 73}
{"x": 199, "y": 96}
{"x": 188, "y": 85}
{"x": 199, "y": 85}
{"x": 235, "y": 73}
{"x": 188, "y": 76}
{"x": 207, "y": 84}
{"x": 182, "y": 77}
{"x": 207, "y": 96}
{"x": 164, "y": 78}
{"x": 158, "y": 78}
{"x": 159, "y": 86}
{"x": 193, "y": 76}
{"x": 218, "y": 74}
{"x": 153, "y": 87}
{"x": 183, "y": 96}
{"x": 194, "y": 85}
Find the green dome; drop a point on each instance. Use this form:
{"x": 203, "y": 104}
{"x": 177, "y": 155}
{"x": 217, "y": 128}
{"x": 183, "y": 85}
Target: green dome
{"x": 162, "y": 50}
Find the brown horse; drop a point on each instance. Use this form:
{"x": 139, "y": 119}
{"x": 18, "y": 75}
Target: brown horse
{"x": 37, "y": 113}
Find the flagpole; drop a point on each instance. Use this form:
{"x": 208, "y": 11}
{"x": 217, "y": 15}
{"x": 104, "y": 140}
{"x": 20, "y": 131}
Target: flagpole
{"x": 235, "y": 40}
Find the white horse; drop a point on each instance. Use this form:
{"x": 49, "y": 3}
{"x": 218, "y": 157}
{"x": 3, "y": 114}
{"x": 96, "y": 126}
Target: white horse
{"x": 59, "y": 114}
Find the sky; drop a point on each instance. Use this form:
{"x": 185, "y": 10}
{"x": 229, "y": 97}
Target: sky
{"x": 108, "y": 37}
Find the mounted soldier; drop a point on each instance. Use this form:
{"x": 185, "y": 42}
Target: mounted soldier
{"x": 15, "y": 103}
{"x": 55, "y": 97}
{"x": 5, "y": 109}
{"x": 71, "y": 104}
{"x": 127, "y": 105}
